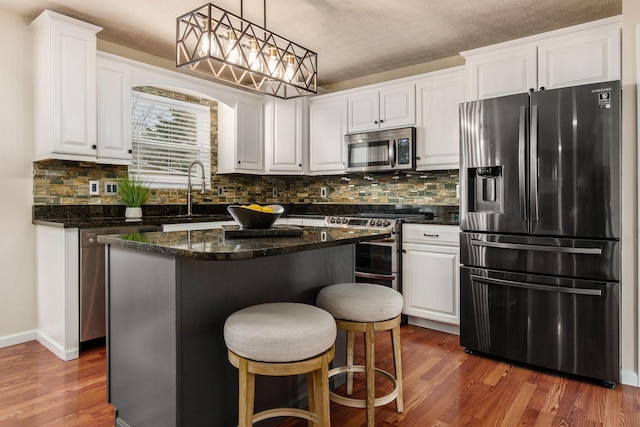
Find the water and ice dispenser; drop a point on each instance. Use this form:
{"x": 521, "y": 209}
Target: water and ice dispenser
{"x": 485, "y": 189}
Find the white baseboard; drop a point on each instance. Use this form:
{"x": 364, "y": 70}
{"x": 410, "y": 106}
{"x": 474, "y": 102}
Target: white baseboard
{"x": 19, "y": 338}
{"x": 56, "y": 348}
{"x": 431, "y": 324}
{"x": 630, "y": 377}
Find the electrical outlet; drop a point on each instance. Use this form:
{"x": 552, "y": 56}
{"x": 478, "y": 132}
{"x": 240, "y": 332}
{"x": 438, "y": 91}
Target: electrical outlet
{"x": 93, "y": 188}
{"x": 220, "y": 191}
{"x": 110, "y": 188}
{"x": 458, "y": 191}
{"x": 275, "y": 192}
{"x": 323, "y": 192}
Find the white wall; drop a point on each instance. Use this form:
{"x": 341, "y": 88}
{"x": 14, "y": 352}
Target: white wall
{"x": 17, "y": 245}
{"x": 630, "y": 17}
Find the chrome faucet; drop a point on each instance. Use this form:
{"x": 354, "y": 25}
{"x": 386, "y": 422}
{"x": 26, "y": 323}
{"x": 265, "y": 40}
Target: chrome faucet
{"x": 189, "y": 184}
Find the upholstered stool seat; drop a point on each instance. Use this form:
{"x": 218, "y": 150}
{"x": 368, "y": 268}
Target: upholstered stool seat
{"x": 281, "y": 339}
{"x": 365, "y": 307}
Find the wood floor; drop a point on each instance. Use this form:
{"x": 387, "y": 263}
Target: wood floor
{"x": 443, "y": 387}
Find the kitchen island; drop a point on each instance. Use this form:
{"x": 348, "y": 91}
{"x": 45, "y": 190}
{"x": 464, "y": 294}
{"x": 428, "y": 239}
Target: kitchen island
{"x": 168, "y": 296}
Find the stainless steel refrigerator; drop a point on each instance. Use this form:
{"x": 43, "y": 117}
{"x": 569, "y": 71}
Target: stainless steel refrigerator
{"x": 540, "y": 220}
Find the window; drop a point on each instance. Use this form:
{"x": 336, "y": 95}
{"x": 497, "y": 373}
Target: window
{"x": 167, "y": 135}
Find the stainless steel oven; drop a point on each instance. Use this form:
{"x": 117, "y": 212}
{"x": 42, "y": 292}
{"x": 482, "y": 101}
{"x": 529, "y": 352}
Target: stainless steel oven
{"x": 377, "y": 261}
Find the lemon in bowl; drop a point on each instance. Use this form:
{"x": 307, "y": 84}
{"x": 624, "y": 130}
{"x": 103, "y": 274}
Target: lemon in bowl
{"x": 255, "y": 216}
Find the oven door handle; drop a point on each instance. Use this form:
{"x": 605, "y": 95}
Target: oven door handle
{"x": 537, "y": 286}
{"x": 375, "y": 276}
{"x": 539, "y": 248}
{"x": 381, "y": 241}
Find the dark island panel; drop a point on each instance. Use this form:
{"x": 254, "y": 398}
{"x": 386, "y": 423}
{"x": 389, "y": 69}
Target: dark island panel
{"x": 168, "y": 366}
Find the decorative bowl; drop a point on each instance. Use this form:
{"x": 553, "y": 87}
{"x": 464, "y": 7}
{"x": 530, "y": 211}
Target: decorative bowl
{"x": 249, "y": 218}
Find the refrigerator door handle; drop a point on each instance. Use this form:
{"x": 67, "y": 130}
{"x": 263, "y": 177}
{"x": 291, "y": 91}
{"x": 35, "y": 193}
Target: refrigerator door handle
{"x": 537, "y": 286}
{"x": 539, "y": 248}
{"x": 522, "y": 185}
{"x": 533, "y": 159}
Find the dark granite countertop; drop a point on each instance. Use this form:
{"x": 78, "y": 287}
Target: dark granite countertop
{"x": 212, "y": 244}
{"x": 96, "y": 216}
{"x": 98, "y": 222}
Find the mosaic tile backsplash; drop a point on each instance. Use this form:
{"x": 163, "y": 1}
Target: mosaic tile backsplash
{"x": 58, "y": 182}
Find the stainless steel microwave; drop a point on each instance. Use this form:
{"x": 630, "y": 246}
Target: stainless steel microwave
{"x": 379, "y": 151}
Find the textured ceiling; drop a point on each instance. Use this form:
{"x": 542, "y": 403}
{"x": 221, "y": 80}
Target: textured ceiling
{"x": 353, "y": 38}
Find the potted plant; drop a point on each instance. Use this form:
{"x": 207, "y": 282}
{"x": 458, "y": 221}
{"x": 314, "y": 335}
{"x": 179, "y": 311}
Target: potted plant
{"x": 134, "y": 194}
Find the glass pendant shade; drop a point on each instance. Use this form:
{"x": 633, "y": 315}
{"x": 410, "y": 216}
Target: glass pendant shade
{"x": 219, "y": 45}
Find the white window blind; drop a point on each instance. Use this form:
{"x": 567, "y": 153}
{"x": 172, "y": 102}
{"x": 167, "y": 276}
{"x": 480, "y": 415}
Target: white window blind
{"x": 167, "y": 135}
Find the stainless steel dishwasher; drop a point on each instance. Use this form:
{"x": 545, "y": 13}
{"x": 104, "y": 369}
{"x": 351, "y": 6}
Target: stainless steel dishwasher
{"x": 92, "y": 294}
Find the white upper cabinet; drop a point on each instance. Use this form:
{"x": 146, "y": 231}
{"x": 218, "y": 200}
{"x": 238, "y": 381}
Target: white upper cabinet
{"x": 438, "y": 98}
{"x": 384, "y": 108}
{"x": 64, "y": 66}
{"x": 114, "y": 112}
{"x": 327, "y": 128}
{"x": 249, "y": 135}
{"x": 241, "y": 136}
{"x": 285, "y": 135}
{"x": 581, "y": 54}
{"x": 501, "y": 73}
{"x": 584, "y": 57}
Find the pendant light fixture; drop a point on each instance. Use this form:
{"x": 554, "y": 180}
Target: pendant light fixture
{"x": 220, "y": 45}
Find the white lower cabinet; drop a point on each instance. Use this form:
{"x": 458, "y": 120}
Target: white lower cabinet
{"x": 430, "y": 276}
{"x": 58, "y": 290}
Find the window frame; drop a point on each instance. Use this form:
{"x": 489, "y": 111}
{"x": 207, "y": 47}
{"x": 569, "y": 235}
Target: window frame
{"x": 203, "y": 130}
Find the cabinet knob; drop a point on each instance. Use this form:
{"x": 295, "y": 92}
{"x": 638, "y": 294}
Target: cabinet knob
{"x": 129, "y": 151}
{"x": 300, "y": 165}
{"x": 375, "y": 122}
{"x": 404, "y": 251}
{"x": 417, "y": 157}
{"x": 381, "y": 121}
{"x": 94, "y": 146}
{"x": 239, "y": 161}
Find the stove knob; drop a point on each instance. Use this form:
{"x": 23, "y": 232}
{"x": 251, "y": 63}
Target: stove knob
{"x": 340, "y": 220}
{"x": 379, "y": 222}
{"x": 387, "y": 223}
{"x": 332, "y": 220}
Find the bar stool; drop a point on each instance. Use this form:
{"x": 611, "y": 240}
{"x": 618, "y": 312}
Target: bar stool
{"x": 280, "y": 339}
{"x": 368, "y": 308}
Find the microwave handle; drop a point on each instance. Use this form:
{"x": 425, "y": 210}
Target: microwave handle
{"x": 392, "y": 152}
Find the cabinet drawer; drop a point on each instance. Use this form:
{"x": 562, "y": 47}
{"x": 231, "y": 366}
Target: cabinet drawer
{"x": 448, "y": 235}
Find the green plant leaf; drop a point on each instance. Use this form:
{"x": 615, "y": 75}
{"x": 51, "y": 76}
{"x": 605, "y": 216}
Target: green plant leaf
{"x": 132, "y": 192}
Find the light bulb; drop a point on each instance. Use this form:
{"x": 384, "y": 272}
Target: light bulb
{"x": 232, "y": 48}
{"x": 290, "y": 70}
{"x": 253, "y": 57}
{"x": 273, "y": 62}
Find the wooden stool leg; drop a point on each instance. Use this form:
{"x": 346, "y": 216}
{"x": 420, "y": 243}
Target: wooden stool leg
{"x": 397, "y": 361}
{"x": 246, "y": 394}
{"x": 312, "y": 397}
{"x": 322, "y": 393}
{"x": 370, "y": 374}
{"x": 350, "y": 356}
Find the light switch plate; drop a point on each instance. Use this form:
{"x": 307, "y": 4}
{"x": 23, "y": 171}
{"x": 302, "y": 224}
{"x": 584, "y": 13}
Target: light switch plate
{"x": 94, "y": 190}
{"x": 110, "y": 188}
